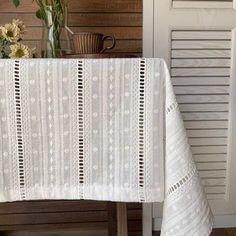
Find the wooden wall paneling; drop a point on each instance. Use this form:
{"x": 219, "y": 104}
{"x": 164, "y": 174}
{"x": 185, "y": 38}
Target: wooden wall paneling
{"x": 82, "y": 6}
{"x": 51, "y": 215}
{"x": 51, "y": 206}
{"x": 83, "y": 19}
{"x": 123, "y": 18}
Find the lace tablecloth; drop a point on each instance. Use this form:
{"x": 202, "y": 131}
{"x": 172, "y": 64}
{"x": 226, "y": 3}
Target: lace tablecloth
{"x": 107, "y": 129}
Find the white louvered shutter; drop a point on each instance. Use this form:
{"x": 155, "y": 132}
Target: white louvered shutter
{"x": 198, "y": 40}
{"x": 201, "y": 79}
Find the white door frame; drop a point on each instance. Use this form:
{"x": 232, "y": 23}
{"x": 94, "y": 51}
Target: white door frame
{"x": 149, "y": 50}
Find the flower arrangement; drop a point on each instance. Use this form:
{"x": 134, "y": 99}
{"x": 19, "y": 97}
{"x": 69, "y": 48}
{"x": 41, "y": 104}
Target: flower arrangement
{"x": 52, "y": 13}
{"x": 10, "y": 37}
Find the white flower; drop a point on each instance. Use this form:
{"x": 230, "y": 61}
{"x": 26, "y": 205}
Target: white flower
{"x": 11, "y": 32}
{"x": 20, "y": 24}
{"x": 20, "y": 50}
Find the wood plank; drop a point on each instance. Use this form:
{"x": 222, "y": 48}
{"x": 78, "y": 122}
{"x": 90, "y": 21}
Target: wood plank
{"x": 183, "y": 63}
{"x": 105, "y": 6}
{"x": 209, "y": 157}
{"x": 205, "y": 116}
{"x": 207, "y": 133}
{"x": 209, "y": 149}
{"x": 203, "y": 107}
{"x": 109, "y": 19}
{"x": 211, "y": 166}
{"x": 212, "y": 182}
{"x": 212, "y": 173}
{"x": 49, "y": 218}
{"x": 201, "y": 34}
{"x": 207, "y": 141}
{"x": 180, "y": 90}
{"x": 134, "y": 225}
{"x": 36, "y": 33}
{"x": 224, "y": 232}
{"x": 220, "y": 53}
{"x": 27, "y": 7}
{"x": 135, "y": 214}
{"x": 200, "y": 80}
{"x": 134, "y": 205}
{"x": 81, "y": 6}
{"x": 201, "y": 44}
{"x": 118, "y": 32}
{"x": 64, "y": 226}
{"x": 82, "y": 19}
{"x": 200, "y": 72}
{"x": 58, "y": 206}
{"x": 30, "y": 19}
{"x": 51, "y": 206}
{"x": 192, "y": 99}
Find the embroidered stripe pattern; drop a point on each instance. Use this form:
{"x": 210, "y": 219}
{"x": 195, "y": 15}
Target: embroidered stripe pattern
{"x": 80, "y": 110}
{"x": 181, "y": 182}
{"x": 141, "y": 120}
{"x": 19, "y": 132}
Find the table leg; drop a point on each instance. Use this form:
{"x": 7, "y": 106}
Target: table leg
{"x": 122, "y": 224}
{"x": 112, "y": 219}
{"x": 147, "y": 219}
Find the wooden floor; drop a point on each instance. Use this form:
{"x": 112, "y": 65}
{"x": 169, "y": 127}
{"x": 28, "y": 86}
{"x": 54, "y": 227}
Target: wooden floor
{"x": 216, "y": 232}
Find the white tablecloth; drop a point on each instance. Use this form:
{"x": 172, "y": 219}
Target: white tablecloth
{"x": 107, "y": 129}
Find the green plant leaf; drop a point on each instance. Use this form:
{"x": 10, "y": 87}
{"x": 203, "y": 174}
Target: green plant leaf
{"x": 16, "y": 2}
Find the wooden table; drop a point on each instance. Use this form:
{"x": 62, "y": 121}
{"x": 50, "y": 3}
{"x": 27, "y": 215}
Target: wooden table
{"x": 121, "y": 208}
{"x": 20, "y": 215}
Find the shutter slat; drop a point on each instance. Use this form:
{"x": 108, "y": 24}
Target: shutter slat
{"x": 209, "y": 157}
{"x": 207, "y": 141}
{"x": 212, "y": 173}
{"x": 202, "y": 4}
{"x": 207, "y": 133}
{"x": 200, "y": 72}
{"x": 212, "y": 182}
{"x": 209, "y": 149}
{"x": 205, "y": 124}
{"x": 215, "y": 189}
{"x": 212, "y": 166}
{"x": 202, "y": 99}
{"x": 200, "y": 80}
{"x": 203, "y": 107}
{"x": 215, "y": 196}
{"x": 201, "y": 90}
{"x": 182, "y": 63}
{"x": 198, "y": 34}
{"x": 201, "y": 44}
{"x": 218, "y": 53}
{"x": 205, "y": 116}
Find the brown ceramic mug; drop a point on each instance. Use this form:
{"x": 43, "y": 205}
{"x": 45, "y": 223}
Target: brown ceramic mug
{"x": 91, "y": 43}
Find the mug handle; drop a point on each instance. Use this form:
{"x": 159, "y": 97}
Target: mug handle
{"x": 113, "y": 43}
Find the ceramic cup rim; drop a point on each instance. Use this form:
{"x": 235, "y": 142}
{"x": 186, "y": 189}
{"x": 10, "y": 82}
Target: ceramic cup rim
{"x": 90, "y": 33}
